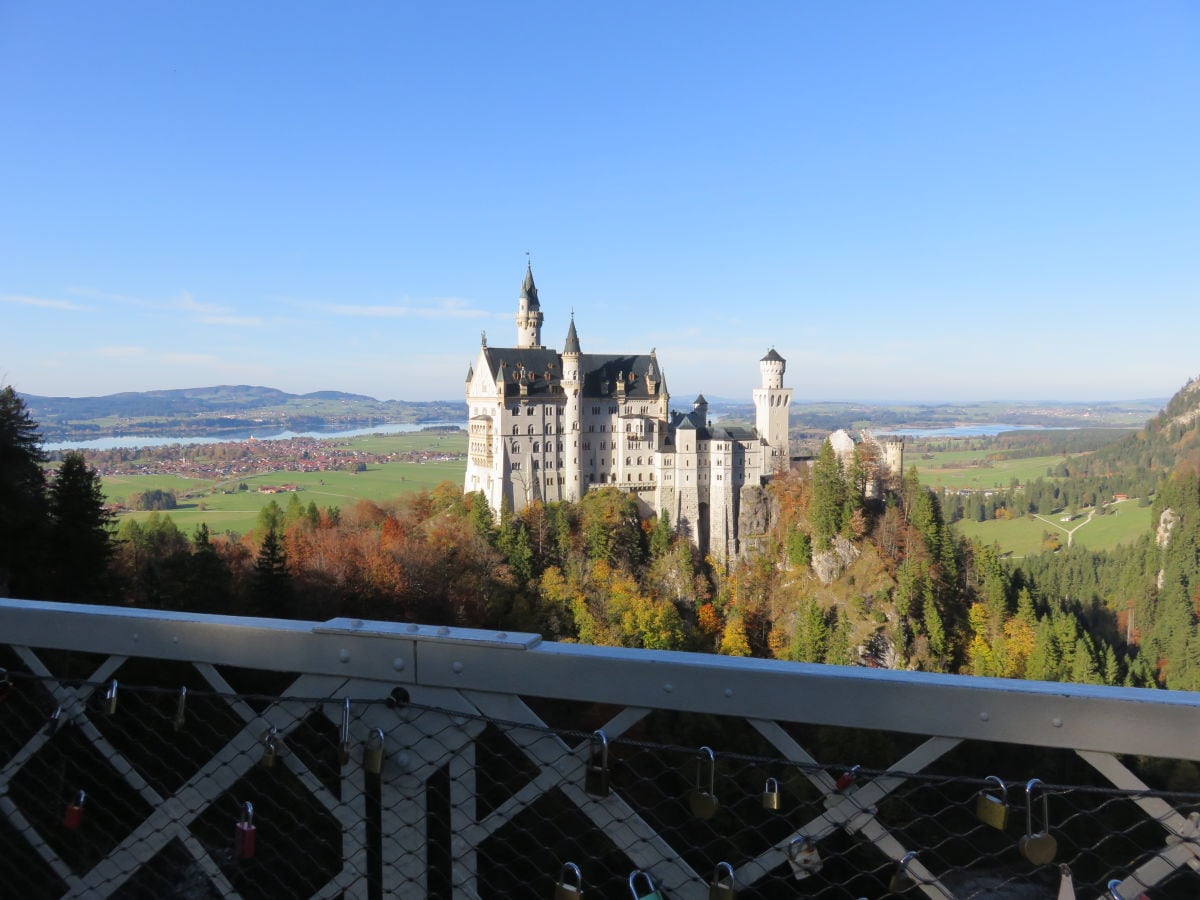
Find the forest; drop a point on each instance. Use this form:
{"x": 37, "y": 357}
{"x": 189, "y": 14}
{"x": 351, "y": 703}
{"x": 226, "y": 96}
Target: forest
{"x": 840, "y": 578}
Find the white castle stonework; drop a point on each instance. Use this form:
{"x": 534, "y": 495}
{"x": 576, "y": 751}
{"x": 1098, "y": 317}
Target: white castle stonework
{"x": 547, "y": 426}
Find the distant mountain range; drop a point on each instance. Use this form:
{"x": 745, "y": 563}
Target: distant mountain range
{"x": 224, "y": 409}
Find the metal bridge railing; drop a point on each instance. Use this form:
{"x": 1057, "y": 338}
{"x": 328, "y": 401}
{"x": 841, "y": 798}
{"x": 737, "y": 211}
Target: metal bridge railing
{"x": 154, "y": 754}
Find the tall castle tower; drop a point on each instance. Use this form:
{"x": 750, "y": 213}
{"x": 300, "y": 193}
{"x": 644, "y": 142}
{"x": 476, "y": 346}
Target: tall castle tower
{"x": 572, "y": 386}
{"x": 529, "y": 315}
{"x": 771, "y": 405}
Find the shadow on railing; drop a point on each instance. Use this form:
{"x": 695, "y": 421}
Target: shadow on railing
{"x": 152, "y": 754}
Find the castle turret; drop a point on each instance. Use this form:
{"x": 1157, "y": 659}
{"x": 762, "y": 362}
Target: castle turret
{"x": 529, "y": 314}
{"x": 572, "y": 413}
{"x": 700, "y": 408}
{"x": 772, "y": 404}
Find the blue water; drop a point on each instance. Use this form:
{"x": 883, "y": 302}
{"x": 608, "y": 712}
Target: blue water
{"x": 114, "y": 443}
{"x": 966, "y": 430}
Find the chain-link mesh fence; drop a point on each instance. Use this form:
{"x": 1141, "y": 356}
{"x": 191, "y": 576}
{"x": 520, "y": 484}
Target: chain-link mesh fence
{"x": 138, "y": 778}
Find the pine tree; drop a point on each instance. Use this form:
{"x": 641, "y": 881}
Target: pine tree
{"x": 827, "y": 509}
{"x": 23, "y": 513}
{"x": 80, "y": 545}
{"x": 272, "y": 584}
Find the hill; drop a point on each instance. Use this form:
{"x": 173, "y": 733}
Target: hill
{"x": 229, "y": 410}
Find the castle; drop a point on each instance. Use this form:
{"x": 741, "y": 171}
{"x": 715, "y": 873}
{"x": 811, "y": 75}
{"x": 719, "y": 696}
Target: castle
{"x": 547, "y": 426}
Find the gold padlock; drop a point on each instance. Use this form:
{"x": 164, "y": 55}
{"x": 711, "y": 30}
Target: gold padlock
{"x": 373, "y": 752}
{"x": 902, "y": 879}
{"x": 595, "y": 776}
{"x": 1039, "y": 847}
{"x": 703, "y": 800}
{"x": 722, "y": 886}
{"x": 270, "y": 742}
{"x": 990, "y": 809}
{"x": 770, "y": 796}
{"x": 564, "y": 890}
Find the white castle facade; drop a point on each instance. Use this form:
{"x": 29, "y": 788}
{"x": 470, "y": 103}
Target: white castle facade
{"x": 547, "y": 425}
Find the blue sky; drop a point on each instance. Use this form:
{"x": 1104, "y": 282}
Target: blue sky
{"x": 910, "y": 201}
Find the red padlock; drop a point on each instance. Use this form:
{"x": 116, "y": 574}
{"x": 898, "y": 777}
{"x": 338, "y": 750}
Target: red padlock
{"x": 848, "y": 778}
{"x": 244, "y": 833}
{"x": 73, "y": 817}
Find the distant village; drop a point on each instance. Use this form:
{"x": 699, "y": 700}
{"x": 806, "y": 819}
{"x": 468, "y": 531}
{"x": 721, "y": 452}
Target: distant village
{"x": 236, "y": 459}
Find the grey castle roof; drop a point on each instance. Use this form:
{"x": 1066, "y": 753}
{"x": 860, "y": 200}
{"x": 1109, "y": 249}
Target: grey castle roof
{"x": 540, "y": 370}
{"x": 699, "y": 401}
{"x": 572, "y": 345}
{"x": 772, "y": 356}
{"x": 529, "y": 289}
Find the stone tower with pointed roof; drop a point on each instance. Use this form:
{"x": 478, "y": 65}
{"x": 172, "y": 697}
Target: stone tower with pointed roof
{"x": 548, "y": 426}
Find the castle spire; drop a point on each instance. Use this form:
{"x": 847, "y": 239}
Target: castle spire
{"x": 572, "y": 345}
{"x": 529, "y": 313}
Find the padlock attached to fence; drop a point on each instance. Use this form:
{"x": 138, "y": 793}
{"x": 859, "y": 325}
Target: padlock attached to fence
{"x": 180, "y": 719}
{"x": 73, "y": 817}
{"x": 570, "y": 883}
{"x": 595, "y": 775}
{"x": 990, "y": 809}
{"x": 270, "y": 742}
{"x": 703, "y": 800}
{"x": 803, "y": 857}
{"x": 770, "y": 795}
{"x": 110, "y": 698}
{"x": 847, "y": 778}
{"x": 902, "y": 878}
{"x": 722, "y": 886}
{"x": 1038, "y": 847}
{"x": 245, "y": 834}
{"x": 344, "y": 735}
{"x": 54, "y": 721}
{"x": 373, "y": 752}
{"x": 650, "y": 893}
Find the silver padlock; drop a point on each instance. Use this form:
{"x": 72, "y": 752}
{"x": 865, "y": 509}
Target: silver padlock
{"x": 902, "y": 878}
{"x": 722, "y": 886}
{"x": 564, "y": 889}
{"x": 344, "y": 734}
{"x": 110, "y": 697}
{"x": 180, "y": 719}
{"x": 595, "y": 776}
{"x": 1039, "y": 847}
{"x": 803, "y": 857}
{"x": 770, "y": 796}
{"x": 270, "y": 742}
{"x": 373, "y": 752}
{"x": 703, "y": 800}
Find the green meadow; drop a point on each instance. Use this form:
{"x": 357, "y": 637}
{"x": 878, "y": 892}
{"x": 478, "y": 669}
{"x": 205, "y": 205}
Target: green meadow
{"x": 960, "y": 469}
{"x": 218, "y": 504}
{"x": 1124, "y": 523}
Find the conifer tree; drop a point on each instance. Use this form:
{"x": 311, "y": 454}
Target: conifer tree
{"x": 80, "y": 545}
{"x": 23, "y": 514}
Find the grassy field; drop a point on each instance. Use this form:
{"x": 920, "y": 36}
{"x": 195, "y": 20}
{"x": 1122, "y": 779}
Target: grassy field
{"x": 1124, "y": 523}
{"x": 207, "y": 501}
{"x": 953, "y": 469}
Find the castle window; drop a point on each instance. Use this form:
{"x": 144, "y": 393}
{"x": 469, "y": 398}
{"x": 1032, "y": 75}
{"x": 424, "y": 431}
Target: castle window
{"x": 629, "y": 460}
{"x": 535, "y": 465}
{"x": 591, "y": 478}
{"x": 587, "y": 445}
{"x": 516, "y": 429}
{"x": 603, "y": 427}
{"x": 560, "y": 446}
{"x": 531, "y": 429}
{"x": 516, "y": 446}
{"x": 529, "y": 410}
{"x": 595, "y": 410}
{"x": 651, "y": 476}
{"x": 639, "y": 460}
{"x": 592, "y": 428}
{"x": 516, "y": 467}
{"x": 639, "y": 476}
{"x": 537, "y": 446}
{"x": 612, "y": 410}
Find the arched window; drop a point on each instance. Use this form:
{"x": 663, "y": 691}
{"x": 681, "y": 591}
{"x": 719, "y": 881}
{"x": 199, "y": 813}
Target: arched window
{"x": 516, "y": 447}
{"x": 516, "y": 429}
{"x": 537, "y": 447}
{"x": 531, "y": 429}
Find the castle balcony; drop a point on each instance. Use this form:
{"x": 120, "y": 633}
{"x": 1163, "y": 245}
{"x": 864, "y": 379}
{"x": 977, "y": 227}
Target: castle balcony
{"x": 160, "y": 754}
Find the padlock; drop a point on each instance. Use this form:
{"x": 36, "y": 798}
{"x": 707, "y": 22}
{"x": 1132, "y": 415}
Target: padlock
{"x": 990, "y": 809}
{"x": 344, "y": 747}
{"x": 1066, "y": 883}
{"x": 847, "y": 778}
{"x": 245, "y": 833}
{"x": 770, "y": 796}
{"x": 803, "y": 857}
{"x": 564, "y": 889}
{"x": 595, "y": 776}
{"x": 902, "y": 879}
{"x": 703, "y": 800}
{"x": 1039, "y": 848}
{"x": 73, "y": 817}
{"x": 270, "y": 742}
{"x": 722, "y": 886}
{"x": 1114, "y": 891}
{"x": 54, "y": 721}
{"x": 652, "y": 894}
{"x": 373, "y": 752}
{"x": 180, "y": 719}
{"x": 110, "y": 697}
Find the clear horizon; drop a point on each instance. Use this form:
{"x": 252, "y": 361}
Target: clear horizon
{"x": 944, "y": 201}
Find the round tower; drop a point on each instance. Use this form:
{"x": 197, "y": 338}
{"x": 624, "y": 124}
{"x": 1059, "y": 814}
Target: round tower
{"x": 572, "y": 387}
{"x": 771, "y": 407}
{"x": 529, "y": 314}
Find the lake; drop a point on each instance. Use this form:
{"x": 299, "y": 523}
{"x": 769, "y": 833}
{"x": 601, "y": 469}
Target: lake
{"x": 114, "y": 443}
{"x": 980, "y": 430}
